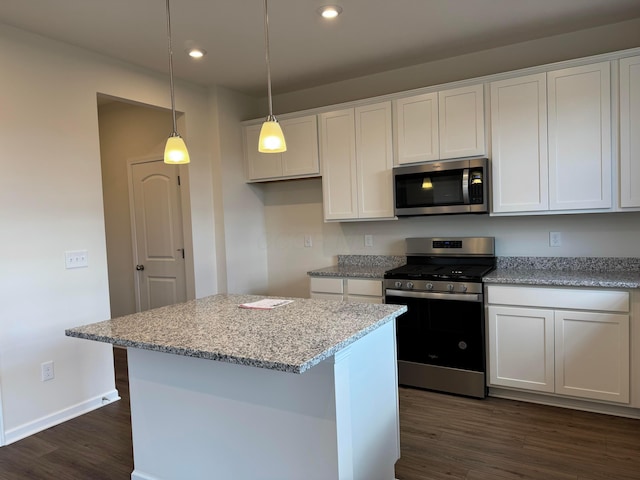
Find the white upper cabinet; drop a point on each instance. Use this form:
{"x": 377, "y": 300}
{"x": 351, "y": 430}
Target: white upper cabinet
{"x": 357, "y": 155}
{"x": 440, "y": 125}
{"x": 461, "y": 122}
{"x": 300, "y": 160}
{"x": 629, "y": 132}
{"x": 519, "y": 144}
{"x": 374, "y": 161}
{"x": 416, "y": 128}
{"x": 338, "y": 152}
{"x": 551, "y": 141}
{"x": 580, "y": 137}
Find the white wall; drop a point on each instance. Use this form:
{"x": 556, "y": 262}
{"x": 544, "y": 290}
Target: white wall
{"x": 294, "y": 209}
{"x": 244, "y": 224}
{"x": 557, "y": 48}
{"x": 51, "y": 201}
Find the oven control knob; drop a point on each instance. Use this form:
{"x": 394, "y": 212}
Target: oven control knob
{"x": 429, "y": 286}
{"x": 409, "y": 285}
{"x": 450, "y": 287}
{"x": 398, "y": 284}
{"x": 463, "y": 288}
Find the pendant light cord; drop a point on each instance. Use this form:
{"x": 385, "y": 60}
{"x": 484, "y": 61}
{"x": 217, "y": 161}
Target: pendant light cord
{"x": 266, "y": 55}
{"x": 173, "y": 102}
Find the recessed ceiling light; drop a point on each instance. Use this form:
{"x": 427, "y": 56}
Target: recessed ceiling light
{"x": 330, "y": 11}
{"x": 196, "y": 52}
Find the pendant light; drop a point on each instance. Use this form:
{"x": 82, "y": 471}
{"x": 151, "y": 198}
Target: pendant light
{"x": 271, "y": 137}
{"x": 175, "y": 151}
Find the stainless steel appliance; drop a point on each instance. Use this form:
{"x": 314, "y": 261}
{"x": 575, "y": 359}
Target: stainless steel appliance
{"x": 441, "y": 337}
{"x": 437, "y": 188}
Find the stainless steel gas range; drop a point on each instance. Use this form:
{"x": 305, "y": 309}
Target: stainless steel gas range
{"x": 441, "y": 338}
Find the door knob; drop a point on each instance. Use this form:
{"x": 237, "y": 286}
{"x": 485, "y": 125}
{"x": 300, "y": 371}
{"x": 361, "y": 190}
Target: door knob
{"x": 139, "y": 267}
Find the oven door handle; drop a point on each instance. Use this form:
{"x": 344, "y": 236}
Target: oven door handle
{"x": 462, "y": 297}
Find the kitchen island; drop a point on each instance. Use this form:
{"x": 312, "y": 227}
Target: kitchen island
{"x": 305, "y": 390}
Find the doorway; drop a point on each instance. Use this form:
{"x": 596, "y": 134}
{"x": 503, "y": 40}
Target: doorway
{"x": 133, "y": 133}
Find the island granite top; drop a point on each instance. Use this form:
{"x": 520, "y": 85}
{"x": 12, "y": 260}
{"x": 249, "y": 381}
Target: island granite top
{"x": 289, "y": 338}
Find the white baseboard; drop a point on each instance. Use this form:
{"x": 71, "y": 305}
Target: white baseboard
{"x": 136, "y": 475}
{"x": 564, "y": 402}
{"x": 60, "y": 416}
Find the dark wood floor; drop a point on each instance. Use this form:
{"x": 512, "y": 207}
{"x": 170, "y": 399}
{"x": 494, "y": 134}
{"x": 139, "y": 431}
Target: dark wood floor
{"x": 442, "y": 437}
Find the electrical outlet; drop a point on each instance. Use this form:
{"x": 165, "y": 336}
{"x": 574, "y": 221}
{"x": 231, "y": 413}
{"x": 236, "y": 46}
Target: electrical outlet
{"x": 368, "y": 240}
{"x": 76, "y": 259}
{"x": 46, "y": 371}
{"x": 555, "y": 239}
{"x": 308, "y": 242}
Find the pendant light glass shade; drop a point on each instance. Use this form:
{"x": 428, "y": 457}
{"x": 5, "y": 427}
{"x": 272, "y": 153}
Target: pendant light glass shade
{"x": 271, "y": 137}
{"x": 175, "y": 151}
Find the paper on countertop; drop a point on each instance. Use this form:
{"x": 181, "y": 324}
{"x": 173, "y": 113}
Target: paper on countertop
{"x": 266, "y": 304}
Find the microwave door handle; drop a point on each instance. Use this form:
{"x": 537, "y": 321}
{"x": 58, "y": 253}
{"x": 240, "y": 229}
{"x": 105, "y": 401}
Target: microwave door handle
{"x": 465, "y": 186}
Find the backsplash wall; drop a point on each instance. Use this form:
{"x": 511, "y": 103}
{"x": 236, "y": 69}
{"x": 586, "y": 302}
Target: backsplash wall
{"x": 294, "y": 209}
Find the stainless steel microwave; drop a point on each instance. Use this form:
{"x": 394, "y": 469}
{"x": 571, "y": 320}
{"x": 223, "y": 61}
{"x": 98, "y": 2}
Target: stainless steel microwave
{"x": 438, "y": 188}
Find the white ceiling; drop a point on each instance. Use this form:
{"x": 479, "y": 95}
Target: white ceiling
{"x": 370, "y": 36}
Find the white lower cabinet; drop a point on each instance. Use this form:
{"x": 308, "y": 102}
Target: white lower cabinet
{"x": 521, "y": 348}
{"x": 538, "y": 342}
{"x": 347, "y": 289}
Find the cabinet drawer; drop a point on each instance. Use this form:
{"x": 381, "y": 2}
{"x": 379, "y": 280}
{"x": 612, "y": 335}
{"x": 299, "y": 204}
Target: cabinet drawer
{"x": 559, "y": 298}
{"x": 364, "y": 287}
{"x": 327, "y": 285}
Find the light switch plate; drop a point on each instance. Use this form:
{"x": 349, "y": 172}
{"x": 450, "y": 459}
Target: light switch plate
{"x": 76, "y": 259}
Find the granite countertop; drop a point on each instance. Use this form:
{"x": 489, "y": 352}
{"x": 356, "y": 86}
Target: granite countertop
{"x": 289, "y": 338}
{"x": 360, "y": 266}
{"x": 567, "y": 272}
{"x": 356, "y": 271}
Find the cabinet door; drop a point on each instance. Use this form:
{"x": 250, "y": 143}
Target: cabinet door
{"x": 327, "y": 285}
{"x": 416, "y": 128}
{"x": 519, "y": 144}
{"x": 259, "y": 165}
{"x": 338, "y": 153}
{"x": 580, "y": 137}
{"x": 461, "y": 122}
{"x": 629, "y": 128}
{"x": 521, "y": 348}
{"x": 592, "y": 355}
{"x": 301, "y": 157}
{"x": 374, "y": 160}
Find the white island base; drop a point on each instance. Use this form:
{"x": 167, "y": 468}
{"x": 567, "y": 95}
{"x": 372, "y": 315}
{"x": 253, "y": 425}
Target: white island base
{"x": 201, "y": 419}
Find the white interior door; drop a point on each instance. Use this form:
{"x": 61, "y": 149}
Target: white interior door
{"x": 157, "y": 234}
